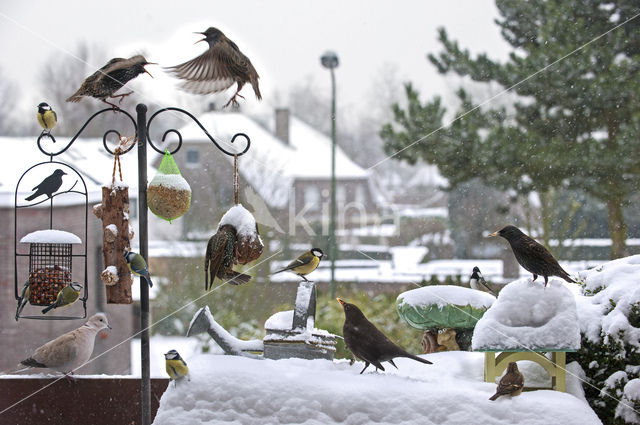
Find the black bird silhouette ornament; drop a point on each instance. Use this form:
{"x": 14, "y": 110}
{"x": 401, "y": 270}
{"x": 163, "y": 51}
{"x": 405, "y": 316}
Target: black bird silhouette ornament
{"x": 48, "y": 186}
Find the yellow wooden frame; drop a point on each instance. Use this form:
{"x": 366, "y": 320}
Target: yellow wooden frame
{"x": 555, "y": 367}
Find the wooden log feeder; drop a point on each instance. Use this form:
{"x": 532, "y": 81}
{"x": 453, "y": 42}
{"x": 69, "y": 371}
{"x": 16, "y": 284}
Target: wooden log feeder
{"x": 116, "y": 235}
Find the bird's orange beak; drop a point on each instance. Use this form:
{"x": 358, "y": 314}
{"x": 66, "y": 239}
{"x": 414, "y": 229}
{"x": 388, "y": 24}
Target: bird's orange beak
{"x": 340, "y": 301}
{"x": 148, "y": 73}
{"x": 493, "y": 234}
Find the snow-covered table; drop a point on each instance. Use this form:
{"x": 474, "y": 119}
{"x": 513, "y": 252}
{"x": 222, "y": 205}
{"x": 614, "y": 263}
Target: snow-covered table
{"x": 527, "y": 322}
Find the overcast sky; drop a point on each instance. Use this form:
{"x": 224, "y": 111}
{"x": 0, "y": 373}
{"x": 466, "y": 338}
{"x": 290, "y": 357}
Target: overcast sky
{"x": 283, "y": 39}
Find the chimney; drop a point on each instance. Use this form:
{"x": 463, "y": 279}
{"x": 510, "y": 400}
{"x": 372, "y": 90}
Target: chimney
{"x": 282, "y": 124}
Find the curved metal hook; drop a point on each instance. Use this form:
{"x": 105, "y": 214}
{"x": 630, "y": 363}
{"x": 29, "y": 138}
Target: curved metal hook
{"x": 104, "y": 137}
{"x": 174, "y": 131}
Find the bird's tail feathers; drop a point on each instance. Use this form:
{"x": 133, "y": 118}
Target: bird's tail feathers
{"x": 148, "y": 279}
{"x": 31, "y": 362}
{"x": 495, "y": 396}
{"x": 566, "y": 277}
{"x": 235, "y": 278}
{"x": 420, "y": 359}
{"x": 48, "y": 308}
{"x": 30, "y": 197}
{"x": 75, "y": 98}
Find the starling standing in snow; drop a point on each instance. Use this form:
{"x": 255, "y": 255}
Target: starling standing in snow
{"x": 511, "y": 383}
{"x": 218, "y": 68}
{"x": 305, "y": 263}
{"x": 47, "y": 117}
{"x": 110, "y": 78}
{"x": 48, "y": 186}
{"x": 221, "y": 257}
{"x": 532, "y": 256}
{"x": 477, "y": 282}
{"x": 367, "y": 342}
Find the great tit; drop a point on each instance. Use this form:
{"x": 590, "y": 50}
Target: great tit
{"x": 47, "y": 117}
{"x": 22, "y": 301}
{"x": 67, "y": 296}
{"x": 176, "y": 367}
{"x": 137, "y": 265}
{"x": 477, "y": 282}
{"x": 305, "y": 263}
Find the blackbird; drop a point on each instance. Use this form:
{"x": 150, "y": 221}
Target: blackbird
{"x": 532, "y": 256}
{"x": 511, "y": 383}
{"x": 110, "y": 78}
{"x": 48, "y": 186}
{"x": 220, "y": 258}
{"x": 367, "y": 342}
{"x": 218, "y": 68}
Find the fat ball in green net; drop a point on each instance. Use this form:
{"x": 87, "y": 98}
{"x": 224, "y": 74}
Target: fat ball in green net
{"x": 169, "y": 194}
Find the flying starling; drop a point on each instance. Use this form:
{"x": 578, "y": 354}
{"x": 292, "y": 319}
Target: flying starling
{"x": 367, "y": 342}
{"x": 477, "y": 282}
{"x": 47, "y": 117}
{"x": 511, "y": 383}
{"x": 48, "y": 186}
{"x": 220, "y": 258}
{"x": 110, "y": 78}
{"x": 218, "y": 68}
{"x": 532, "y": 256}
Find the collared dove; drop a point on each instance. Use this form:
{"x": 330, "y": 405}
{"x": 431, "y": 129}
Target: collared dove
{"x": 68, "y": 351}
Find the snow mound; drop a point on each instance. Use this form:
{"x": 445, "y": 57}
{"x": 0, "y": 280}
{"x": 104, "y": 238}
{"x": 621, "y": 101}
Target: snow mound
{"x": 172, "y": 181}
{"x": 529, "y": 316}
{"x": 616, "y": 288}
{"x": 443, "y": 295}
{"x": 231, "y": 389}
{"x": 50, "y": 236}
{"x": 241, "y": 219}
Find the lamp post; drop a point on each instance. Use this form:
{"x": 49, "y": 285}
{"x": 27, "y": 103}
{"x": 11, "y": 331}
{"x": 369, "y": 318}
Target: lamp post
{"x": 330, "y": 60}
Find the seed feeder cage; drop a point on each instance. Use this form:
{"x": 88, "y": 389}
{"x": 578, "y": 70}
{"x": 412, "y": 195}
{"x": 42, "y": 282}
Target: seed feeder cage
{"x": 50, "y": 255}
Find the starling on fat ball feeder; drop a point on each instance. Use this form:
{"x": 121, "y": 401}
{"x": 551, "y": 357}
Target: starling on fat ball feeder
{"x": 217, "y": 69}
{"x": 367, "y": 342}
{"x": 220, "y": 258}
{"x": 103, "y": 83}
{"x": 532, "y": 256}
{"x": 47, "y": 117}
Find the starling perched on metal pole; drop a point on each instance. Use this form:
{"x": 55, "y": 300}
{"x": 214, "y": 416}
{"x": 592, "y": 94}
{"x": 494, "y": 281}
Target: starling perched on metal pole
{"x": 367, "y": 342}
{"x": 103, "y": 83}
{"x": 532, "y": 256}
{"x": 218, "y": 68}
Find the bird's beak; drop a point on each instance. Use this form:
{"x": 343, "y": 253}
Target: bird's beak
{"x": 148, "y": 73}
{"x": 493, "y": 234}
{"x": 201, "y": 33}
{"x": 340, "y": 301}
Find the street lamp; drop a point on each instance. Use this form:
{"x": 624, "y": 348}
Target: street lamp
{"x": 330, "y": 60}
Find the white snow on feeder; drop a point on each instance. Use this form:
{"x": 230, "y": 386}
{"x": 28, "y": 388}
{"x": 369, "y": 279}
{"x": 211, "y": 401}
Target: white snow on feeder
{"x": 51, "y": 236}
{"x": 241, "y": 219}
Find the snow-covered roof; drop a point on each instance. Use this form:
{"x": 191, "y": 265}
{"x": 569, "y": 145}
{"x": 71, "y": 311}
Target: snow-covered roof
{"x": 87, "y": 156}
{"x": 271, "y": 166}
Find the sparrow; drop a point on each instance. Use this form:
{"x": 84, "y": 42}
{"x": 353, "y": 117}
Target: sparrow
{"x": 137, "y": 265}
{"x": 477, "y": 282}
{"x": 24, "y": 297}
{"x": 48, "y": 186}
{"x": 305, "y": 263}
{"x": 217, "y": 69}
{"x": 68, "y": 351}
{"x": 367, "y": 342}
{"x": 67, "y": 296}
{"x": 47, "y": 117}
{"x": 221, "y": 257}
{"x": 175, "y": 366}
{"x": 103, "y": 83}
{"x": 532, "y": 256}
{"x": 511, "y": 383}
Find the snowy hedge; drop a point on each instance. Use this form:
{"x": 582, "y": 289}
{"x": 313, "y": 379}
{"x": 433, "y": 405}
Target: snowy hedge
{"x": 609, "y": 314}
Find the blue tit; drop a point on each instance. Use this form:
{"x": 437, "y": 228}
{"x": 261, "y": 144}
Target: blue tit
{"x": 176, "y": 367}
{"x": 47, "y": 117}
{"x": 67, "y": 296}
{"x": 305, "y": 263}
{"x": 137, "y": 265}
{"x": 22, "y": 301}
{"x": 477, "y": 282}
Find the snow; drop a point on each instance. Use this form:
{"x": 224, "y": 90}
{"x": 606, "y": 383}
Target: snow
{"x": 237, "y": 345}
{"x": 443, "y": 295}
{"x": 113, "y": 228}
{"x": 51, "y": 236}
{"x": 529, "y": 316}
{"x": 280, "y": 321}
{"x": 630, "y": 397}
{"x": 171, "y": 181}
{"x": 242, "y": 220}
{"x": 283, "y": 321}
{"x": 239, "y": 390}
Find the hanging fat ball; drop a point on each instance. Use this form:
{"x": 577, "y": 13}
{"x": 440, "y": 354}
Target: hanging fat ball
{"x": 68, "y": 351}
{"x": 511, "y": 383}
{"x": 137, "y": 265}
{"x": 24, "y": 297}
{"x": 367, "y": 342}
{"x": 221, "y": 257}
{"x": 305, "y": 263}
{"x": 532, "y": 256}
{"x": 47, "y": 117}
{"x": 218, "y": 68}
{"x": 67, "y": 296}
{"x": 48, "y": 186}
{"x": 103, "y": 83}
{"x": 175, "y": 366}
{"x": 477, "y": 282}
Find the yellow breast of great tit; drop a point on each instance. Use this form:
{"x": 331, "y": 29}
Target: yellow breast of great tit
{"x": 47, "y": 119}
{"x": 307, "y": 268}
{"x": 176, "y": 368}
